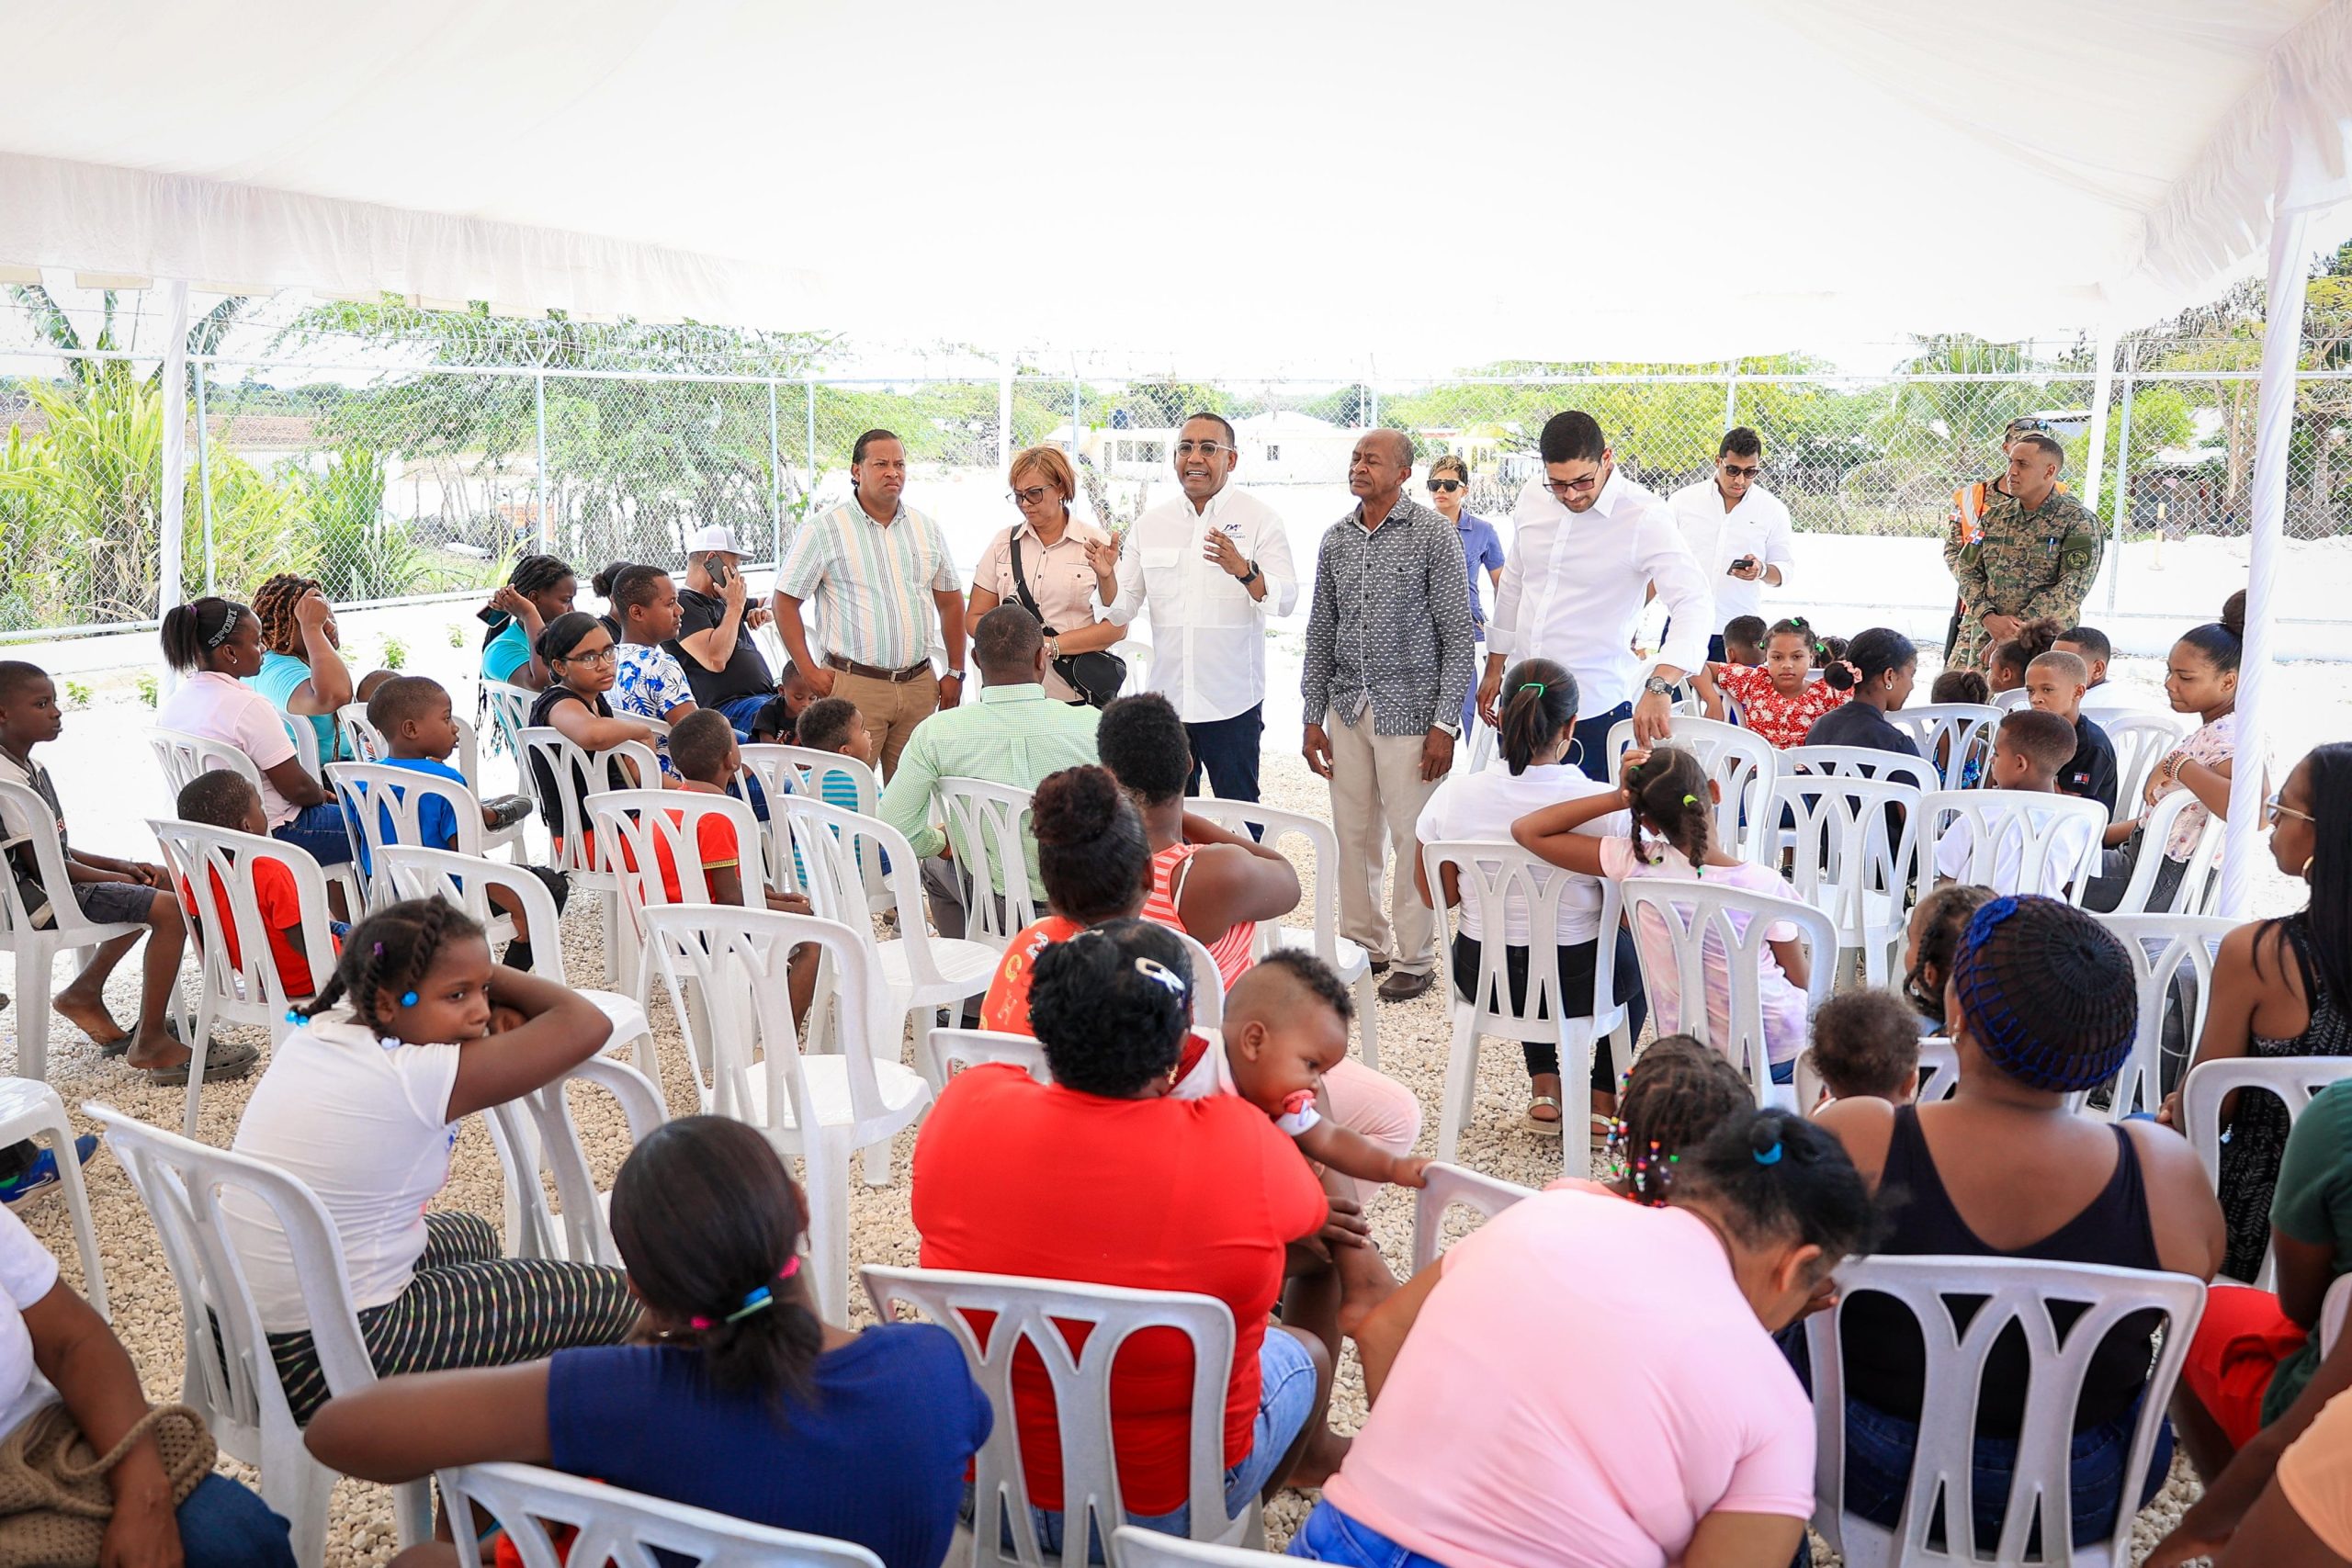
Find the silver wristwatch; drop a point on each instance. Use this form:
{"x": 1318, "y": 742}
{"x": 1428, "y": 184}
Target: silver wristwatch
{"x": 1659, "y": 685}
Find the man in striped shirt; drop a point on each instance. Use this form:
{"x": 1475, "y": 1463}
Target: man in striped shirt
{"x": 868, "y": 564}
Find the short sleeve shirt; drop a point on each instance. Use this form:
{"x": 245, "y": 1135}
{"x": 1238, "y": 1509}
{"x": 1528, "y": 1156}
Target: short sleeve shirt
{"x": 1482, "y": 550}
{"x": 1785, "y": 1014}
{"x": 2312, "y": 1203}
{"x": 1058, "y": 577}
{"x": 436, "y": 819}
{"x": 648, "y": 682}
{"x": 215, "y": 706}
{"x": 2315, "y": 1475}
{"x": 279, "y": 902}
{"x": 1782, "y": 720}
{"x": 2091, "y": 771}
{"x": 715, "y": 847}
{"x": 1859, "y": 723}
{"x": 505, "y": 653}
{"x": 27, "y": 1274}
{"x": 745, "y": 674}
{"x": 279, "y": 676}
{"x": 1006, "y": 1010}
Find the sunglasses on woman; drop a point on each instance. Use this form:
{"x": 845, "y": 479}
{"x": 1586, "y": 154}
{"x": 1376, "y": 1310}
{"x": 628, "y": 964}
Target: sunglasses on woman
{"x": 2273, "y": 809}
{"x": 1446, "y": 486}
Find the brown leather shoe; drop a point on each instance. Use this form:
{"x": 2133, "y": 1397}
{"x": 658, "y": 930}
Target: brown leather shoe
{"x": 1402, "y": 987}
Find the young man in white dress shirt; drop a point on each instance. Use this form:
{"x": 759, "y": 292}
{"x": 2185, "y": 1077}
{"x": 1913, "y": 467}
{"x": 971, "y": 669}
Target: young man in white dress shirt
{"x": 1738, "y": 531}
{"x": 1587, "y": 547}
{"x": 1209, "y": 564}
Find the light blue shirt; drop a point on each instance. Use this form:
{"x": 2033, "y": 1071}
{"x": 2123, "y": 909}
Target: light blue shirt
{"x": 278, "y": 675}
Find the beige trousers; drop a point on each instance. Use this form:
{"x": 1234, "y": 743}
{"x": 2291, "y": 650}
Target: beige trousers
{"x": 891, "y": 709}
{"x": 1377, "y": 793}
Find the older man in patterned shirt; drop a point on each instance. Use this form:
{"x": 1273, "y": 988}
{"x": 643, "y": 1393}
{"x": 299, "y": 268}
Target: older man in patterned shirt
{"x": 1390, "y": 650}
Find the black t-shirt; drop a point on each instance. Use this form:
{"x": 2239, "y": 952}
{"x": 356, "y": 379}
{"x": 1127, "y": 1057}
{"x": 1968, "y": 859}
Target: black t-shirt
{"x": 543, "y": 774}
{"x": 1858, "y": 724}
{"x": 746, "y": 674}
{"x": 2092, "y": 773}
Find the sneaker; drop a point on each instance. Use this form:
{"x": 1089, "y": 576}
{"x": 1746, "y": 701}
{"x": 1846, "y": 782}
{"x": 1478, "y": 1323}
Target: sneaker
{"x": 41, "y": 1175}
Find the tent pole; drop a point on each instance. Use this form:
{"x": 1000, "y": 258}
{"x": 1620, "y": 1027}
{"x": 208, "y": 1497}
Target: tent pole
{"x": 167, "y": 588}
{"x": 1731, "y": 394}
{"x": 204, "y": 477}
{"x": 2282, "y": 335}
{"x": 2102, "y": 402}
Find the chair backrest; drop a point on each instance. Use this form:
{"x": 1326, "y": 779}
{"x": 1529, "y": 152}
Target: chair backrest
{"x": 1208, "y": 984}
{"x": 25, "y": 817}
{"x": 366, "y": 741}
{"x": 977, "y": 1047}
{"x": 1846, "y": 852}
{"x": 1862, "y": 762}
{"x": 630, "y": 1528}
{"x": 2012, "y": 1290}
{"x": 2019, "y": 840}
{"x": 465, "y": 881}
{"x": 2334, "y": 1308}
{"x": 1938, "y": 1075}
{"x": 183, "y": 756}
{"x": 1495, "y": 877}
{"x": 989, "y": 824}
{"x": 1481, "y": 751}
{"x": 509, "y": 708}
{"x": 2011, "y": 700}
{"x": 648, "y": 837}
{"x": 2294, "y": 1079}
{"x": 541, "y": 1124}
{"x": 231, "y": 1377}
{"x": 1035, "y": 1312}
{"x": 1275, "y": 827}
{"x": 1708, "y": 929}
{"x": 2195, "y": 892}
{"x": 552, "y": 761}
{"x": 834, "y": 847}
{"x": 1447, "y": 1187}
{"x": 2163, "y": 948}
{"x": 783, "y": 770}
{"x": 1132, "y": 1546}
{"x": 1962, "y": 733}
{"x": 384, "y": 804}
{"x": 2141, "y": 742}
{"x": 305, "y": 736}
{"x": 1741, "y": 762}
{"x": 247, "y": 989}
{"x": 723, "y": 968}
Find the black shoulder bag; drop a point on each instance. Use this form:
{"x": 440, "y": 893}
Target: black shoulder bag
{"x": 1095, "y": 676}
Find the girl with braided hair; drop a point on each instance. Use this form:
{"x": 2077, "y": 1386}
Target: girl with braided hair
{"x": 1673, "y": 804}
{"x": 765, "y": 1411}
{"x": 1677, "y": 1094}
{"x": 1779, "y": 700}
{"x": 2042, "y": 1006}
{"x": 415, "y": 1030}
{"x": 539, "y": 589}
{"x": 302, "y": 673}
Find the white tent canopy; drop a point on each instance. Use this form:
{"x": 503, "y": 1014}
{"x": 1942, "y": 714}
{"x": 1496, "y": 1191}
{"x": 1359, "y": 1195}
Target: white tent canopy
{"x": 1496, "y": 177}
{"x": 1683, "y": 181}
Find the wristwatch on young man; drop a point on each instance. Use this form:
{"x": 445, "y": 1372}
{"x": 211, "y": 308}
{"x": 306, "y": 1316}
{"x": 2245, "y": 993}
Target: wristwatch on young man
{"x": 1252, "y": 576}
{"x": 1659, "y": 685}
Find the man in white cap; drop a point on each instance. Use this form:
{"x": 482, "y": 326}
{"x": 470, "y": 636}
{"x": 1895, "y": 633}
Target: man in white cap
{"x": 868, "y": 564}
{"x": 714, "y": 621}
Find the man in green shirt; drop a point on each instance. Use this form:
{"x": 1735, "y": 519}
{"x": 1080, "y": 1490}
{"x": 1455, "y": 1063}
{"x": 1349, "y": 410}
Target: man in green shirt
{"x": 1014, "y": 735}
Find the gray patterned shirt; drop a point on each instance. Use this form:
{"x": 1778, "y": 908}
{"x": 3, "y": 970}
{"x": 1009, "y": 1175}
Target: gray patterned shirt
{"x": 1391, "y": 625}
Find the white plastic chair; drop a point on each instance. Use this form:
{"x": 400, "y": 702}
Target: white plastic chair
{"x": 2294, "y": 1079}
{"x": 1447, "y": 1187}
{"x": 2194, "y": 893}
{"x": 1133, "y": 1547}
{"x": 2031, "y": 826}
{"x": 183, "y": 756}
{"x": 2163, "y": 948}
{"x": 953, "y": 1048}
{"x": 509, "y": 711}
{"x": 247, "y": 989}
{"x": 230, "y": 1377}
{"x": 2333, "y": 1310}
{"x": 1844, "y": 860}
{"x": 988, "y": 822}
{"x": 1493, "y": 878}
{"x": 1938, "y": 1075}
{"x": 536, "y": 1132}
{"x": 2012, "y": 700}
{"x": 1323, "y": 939}
{"x": 1208, "y": 984}
{"x": 1481, "y": 750}
{"x": 924, "y": 973}
{"x": 420, "y": 873}
{"x": 2141, "y": 742}
{"x": 1706, "y": 924}
{"x": 1962, "y": 731}
{"x": 30, "y": 1110}
{"x": 1862, "y": 762}
{"x": 2012, "y": 1291}
{"x": 299, "y": 730}
{"x": 785, "y": 771}
{"x": 629, "y": 1528}
{"x": 370, "y": 792}
{"x": 729, "y": 964}
{"x": 366, "y": 741}
{"x": 1035, "y": 1311}
{"x": 644, "y": 834}
{"x": 1742, "y": 764}
{"x": 574, "y": 774}
{"x": 26, "y": 818}
{"x": 469, "y": 763}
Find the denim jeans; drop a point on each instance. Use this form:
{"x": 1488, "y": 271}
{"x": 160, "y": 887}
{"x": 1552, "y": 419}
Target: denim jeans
{"x": 1228, "y": 751}
{"x": 1330, "y": 1536}
{"x": 1590, "y": 752}
{"x": 318, "y": 828}
{"x": 222, "y": 1525}
{"x": 1879, "y": 1448}
{"x": 1285, "y": 1403}
{"x": 741, "y": 711}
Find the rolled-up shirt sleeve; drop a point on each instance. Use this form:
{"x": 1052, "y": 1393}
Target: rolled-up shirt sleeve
{"x": 1129, "y": 579}
{"x": 1781, "y": 544}
{"x": 1664, "y": 556}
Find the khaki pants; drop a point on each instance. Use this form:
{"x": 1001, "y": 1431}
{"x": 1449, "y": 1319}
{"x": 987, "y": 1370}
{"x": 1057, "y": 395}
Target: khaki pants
{"x": 1377, "y": 793}
{"x": 891, "y": 709}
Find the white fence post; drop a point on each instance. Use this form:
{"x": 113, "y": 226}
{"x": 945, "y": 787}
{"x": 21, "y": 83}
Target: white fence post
{"x": 539, "y": 480}
{"x": 775, "y": 478}
{"x": 204, "y": 477}
{"x": 175, "y": 498}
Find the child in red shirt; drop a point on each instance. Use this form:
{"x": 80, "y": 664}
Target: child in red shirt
{"x": 1776, "y": 701}
{"x": 222, "y": 799}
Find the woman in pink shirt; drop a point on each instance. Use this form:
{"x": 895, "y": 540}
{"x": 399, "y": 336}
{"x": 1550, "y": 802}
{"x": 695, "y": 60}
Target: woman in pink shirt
{"x": 1666, "y": 1426}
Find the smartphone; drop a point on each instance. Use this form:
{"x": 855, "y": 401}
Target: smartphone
{"x": 716, "y": 567}
{"x": 1742, "y": 564}
{"x": 491, "y": 615}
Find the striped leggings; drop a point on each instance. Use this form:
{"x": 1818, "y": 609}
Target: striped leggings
{"x": 468, "y": 1306}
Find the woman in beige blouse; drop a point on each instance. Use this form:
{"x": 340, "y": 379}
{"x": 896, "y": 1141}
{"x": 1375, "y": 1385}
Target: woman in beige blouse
{"x": 1053, "y": 563}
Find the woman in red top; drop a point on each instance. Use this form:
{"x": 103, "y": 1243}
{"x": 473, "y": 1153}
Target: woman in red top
{"x": 1092, "y": 858}
{"x": 1072, "y": 1180}
{"x": 1775, "y": 700}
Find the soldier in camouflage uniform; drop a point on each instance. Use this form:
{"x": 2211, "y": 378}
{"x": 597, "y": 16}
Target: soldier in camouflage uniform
{"x": 2038, "y": 551}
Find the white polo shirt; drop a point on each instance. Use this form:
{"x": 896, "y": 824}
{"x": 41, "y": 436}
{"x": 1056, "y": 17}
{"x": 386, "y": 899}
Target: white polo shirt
{"x": 1758, "y": 526}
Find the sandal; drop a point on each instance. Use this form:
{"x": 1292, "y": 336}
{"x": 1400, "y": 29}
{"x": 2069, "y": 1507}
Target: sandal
{"x": 1540, "y": 1126}
{"x": 222, "y": 1064}
{"x": 121, "y": 1043}
{"x": 1603, "y": 1129}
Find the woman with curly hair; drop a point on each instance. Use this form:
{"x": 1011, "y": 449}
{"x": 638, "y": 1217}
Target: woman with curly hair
{"x": 536, "y": 592}
{"x": 302, "y": 673}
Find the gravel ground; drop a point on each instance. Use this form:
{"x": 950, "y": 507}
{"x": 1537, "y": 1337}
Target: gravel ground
{"x": 146, "y": 1306}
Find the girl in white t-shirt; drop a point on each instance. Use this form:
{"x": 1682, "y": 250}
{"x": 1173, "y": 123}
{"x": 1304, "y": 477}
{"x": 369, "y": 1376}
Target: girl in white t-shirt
{"x": 1673, "y": 803}
{"x": 416, "y": 1030}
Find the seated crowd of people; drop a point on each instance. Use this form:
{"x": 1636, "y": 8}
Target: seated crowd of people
{"x": 1610, "y": 1370}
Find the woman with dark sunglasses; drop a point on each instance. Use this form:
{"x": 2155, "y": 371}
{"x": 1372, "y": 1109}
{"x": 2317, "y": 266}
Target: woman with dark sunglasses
{"x": 1448, "y": 484}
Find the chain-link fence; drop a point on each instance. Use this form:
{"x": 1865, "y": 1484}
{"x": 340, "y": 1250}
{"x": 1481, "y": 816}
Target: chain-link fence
{"x": 388, "y": 482}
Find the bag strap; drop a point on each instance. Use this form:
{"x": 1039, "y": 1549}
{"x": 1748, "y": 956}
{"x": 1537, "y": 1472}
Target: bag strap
{"x": 1020, "y": 586}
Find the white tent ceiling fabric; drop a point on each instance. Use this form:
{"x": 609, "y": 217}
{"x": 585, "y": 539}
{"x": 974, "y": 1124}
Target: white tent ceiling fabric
{"x": 1501, "y": 178}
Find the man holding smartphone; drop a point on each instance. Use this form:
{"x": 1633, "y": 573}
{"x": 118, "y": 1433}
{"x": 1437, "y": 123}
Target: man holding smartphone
{"x": 714, "y": 644}
{"x": 1738, "y": 531}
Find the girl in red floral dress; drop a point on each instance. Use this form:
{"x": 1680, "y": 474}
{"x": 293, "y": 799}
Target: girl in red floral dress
{"x": 1775, "y": 699}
